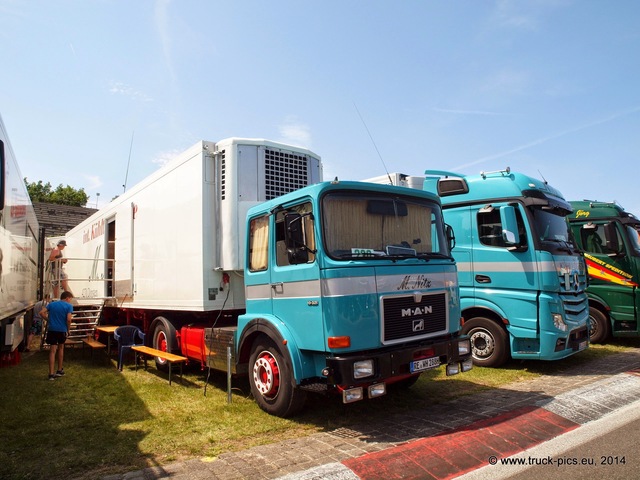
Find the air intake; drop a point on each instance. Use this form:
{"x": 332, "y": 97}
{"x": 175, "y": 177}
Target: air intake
{"x": 452, "y": 186}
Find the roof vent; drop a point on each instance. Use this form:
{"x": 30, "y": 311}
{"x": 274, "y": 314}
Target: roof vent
{"x": 452, "y": 186}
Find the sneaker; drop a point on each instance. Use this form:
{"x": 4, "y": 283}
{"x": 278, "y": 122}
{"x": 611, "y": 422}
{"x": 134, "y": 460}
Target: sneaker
{"x": 52, "y": 377}
{"x": 60, "y": 373}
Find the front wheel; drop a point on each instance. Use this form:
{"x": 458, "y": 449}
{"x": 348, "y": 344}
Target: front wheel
{"x": 272, "y": 382}
{"x": 599, "y": 328}
{"x": 489, "y": 342}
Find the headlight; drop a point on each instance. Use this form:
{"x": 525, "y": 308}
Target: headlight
{"x": 453, "y": 369}
{"x": 558, "y": 322}
{"x": 363, "y": 369}
{"x": 467, "y": 365}
{"x": 352, "y": 395}
{"x": 377, "y": 390}
{"x": 464, "y": 347}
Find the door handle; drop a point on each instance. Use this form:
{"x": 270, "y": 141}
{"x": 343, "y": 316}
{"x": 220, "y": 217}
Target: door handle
{"x": 483, "y": 279}
{"x": 278, "y": 287}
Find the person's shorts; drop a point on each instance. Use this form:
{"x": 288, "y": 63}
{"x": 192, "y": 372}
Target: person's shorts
{"x": 36, "y": 327}
{"x": 62, "y": 276}
{"x": 56, "y": 338}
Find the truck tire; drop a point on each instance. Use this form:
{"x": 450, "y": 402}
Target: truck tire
{"x": 599, "y": 326}
{"x": 489, "y": 342}
{"x": 272, "y": 382}
{"x": 162, "y": 340}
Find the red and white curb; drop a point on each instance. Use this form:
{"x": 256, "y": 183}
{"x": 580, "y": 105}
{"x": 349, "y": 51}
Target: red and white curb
{"x": 481, "y": 444}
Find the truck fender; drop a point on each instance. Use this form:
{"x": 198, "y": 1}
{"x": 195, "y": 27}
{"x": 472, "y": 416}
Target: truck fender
{"x": 277, "y": 331}
{"x": 483, "y": 308}
{"x": 598, "y": 302}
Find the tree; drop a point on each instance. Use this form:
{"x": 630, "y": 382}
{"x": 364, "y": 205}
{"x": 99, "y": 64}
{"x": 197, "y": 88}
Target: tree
{"x": 40, "y": 192}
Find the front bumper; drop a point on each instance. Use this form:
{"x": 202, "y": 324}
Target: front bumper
{"x": 393, "y": 361}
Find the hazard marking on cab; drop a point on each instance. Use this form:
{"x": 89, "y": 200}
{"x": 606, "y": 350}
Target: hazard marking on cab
{"x": 462, "y": 450}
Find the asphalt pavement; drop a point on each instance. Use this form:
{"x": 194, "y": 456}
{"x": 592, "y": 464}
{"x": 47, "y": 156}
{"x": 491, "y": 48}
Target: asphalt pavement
{"x": 443, "y": 441}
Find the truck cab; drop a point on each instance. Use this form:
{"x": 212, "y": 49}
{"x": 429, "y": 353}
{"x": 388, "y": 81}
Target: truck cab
{"x": 610, "y": 239}
{"x": 522, "y": 280}
{"x": 350, "y": 287}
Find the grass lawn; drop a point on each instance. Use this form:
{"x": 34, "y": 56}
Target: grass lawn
{"x": 98, "y": 421}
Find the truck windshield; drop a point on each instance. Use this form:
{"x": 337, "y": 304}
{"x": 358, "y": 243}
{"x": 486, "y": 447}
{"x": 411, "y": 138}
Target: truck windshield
{"x": 633, "y": 231}
{"x": 551, "y": 228}
{"x": 378, "y": 226}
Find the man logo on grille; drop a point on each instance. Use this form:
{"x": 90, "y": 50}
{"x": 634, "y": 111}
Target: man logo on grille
{"x": 418, "y": 325}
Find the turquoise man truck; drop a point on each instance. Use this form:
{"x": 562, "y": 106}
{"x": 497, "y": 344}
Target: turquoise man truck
{"x": 236, "y": 256}
{"x": 522, "y": 280}
{"x": 609, "y": 237}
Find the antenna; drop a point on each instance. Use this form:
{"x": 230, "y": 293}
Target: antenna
{"x": 128, "y": 163}
{"x": 374, "y": 144}
{"x": 543, "y": 179}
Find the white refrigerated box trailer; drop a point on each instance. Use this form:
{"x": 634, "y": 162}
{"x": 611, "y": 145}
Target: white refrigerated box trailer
{"x": 169, "y": 241}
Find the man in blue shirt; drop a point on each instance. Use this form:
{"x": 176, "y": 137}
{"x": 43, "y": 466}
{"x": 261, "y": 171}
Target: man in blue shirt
{"x": 59, "y": 315}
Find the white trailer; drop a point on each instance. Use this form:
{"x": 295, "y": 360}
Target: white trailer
{"x": 171, "y": 242}
{"x": 18, "y": 252}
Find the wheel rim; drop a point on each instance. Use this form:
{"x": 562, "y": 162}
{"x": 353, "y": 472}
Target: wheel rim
{"x": 161, "y": 340}
{"x": 593, "y": 327}
{"x": 266, "y": 375}
{"x": 482, "y": 344}
{"x": 161, "y": 344}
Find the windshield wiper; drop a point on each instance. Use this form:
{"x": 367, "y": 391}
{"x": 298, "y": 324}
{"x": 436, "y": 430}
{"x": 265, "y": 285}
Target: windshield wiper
{"x": 565, "y": 246}
{"x": 402, "y": 256}
{"x": 430, "y": 255}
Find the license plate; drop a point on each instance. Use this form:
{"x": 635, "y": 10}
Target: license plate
{"x": 582, "y": 345}
{"x": 424, "y": 364}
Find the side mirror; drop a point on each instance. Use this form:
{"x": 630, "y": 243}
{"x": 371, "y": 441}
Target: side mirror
{"x": 509, "y": 225}
{"x": 611, "y": 239}
{"x": 294, "y": 239}
{"x": 450, "y": 235}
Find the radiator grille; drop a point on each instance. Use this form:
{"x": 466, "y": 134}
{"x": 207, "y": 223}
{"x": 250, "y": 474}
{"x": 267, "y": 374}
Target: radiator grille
{"x": 404, "y": 318}
{"x": 572, "y": 293}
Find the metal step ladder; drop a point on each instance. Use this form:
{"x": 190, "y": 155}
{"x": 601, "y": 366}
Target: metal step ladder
{"x": 86, "y": 317}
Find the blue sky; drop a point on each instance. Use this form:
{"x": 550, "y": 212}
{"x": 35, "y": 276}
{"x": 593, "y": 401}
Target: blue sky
{"x": 550, "y": 88}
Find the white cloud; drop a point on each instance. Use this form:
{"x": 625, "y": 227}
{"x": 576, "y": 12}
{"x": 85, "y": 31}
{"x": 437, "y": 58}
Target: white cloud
{"x": 162, "y": 22}
{"x": 162, "y": 158}
{"x": 295, "y": 132}
{"x": 553, "y": 136}
{"x": 119, "y": 88}
{"x": 508, "y": 81}
{"x": 10, "y": 12}
{"x": 525, "y": 15}
{"x": 508, "y": 14}
{"x": 93, "y": 181}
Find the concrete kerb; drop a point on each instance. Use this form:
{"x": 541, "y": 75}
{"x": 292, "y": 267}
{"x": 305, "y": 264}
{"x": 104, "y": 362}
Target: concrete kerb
{"x": 580, "y": 394}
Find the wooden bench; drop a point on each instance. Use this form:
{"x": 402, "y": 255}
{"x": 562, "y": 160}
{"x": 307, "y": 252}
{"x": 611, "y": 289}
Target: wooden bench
{"x": 152, "y": 352}
{"x": 93, "y": 343}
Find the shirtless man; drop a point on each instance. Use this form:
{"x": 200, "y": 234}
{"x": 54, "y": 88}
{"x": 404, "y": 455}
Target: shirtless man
{"x": 58, "y": 274}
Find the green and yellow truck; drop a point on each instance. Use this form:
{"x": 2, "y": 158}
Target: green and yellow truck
{"x": 610, "y": 239}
